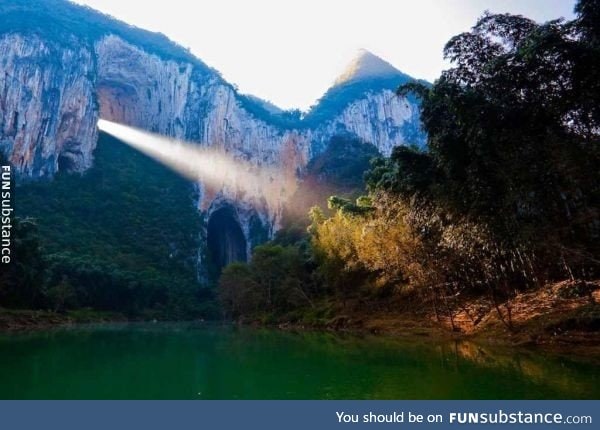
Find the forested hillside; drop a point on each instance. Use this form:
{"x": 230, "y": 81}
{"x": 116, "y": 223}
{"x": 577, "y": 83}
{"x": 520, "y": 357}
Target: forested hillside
{"x": 122, "y": 237}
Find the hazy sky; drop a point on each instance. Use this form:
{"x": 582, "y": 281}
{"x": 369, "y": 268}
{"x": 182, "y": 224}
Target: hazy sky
{"x": 290, "y": 51}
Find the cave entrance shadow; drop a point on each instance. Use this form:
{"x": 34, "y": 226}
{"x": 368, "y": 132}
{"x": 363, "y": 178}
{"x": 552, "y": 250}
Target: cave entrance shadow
{"x": 225, "y": 239}
{"x": 65, "y": 163}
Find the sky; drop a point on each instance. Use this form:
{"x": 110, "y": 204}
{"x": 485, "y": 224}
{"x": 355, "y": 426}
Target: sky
{"x": 289, "y": 52}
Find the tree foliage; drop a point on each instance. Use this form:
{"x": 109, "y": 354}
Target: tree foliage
{"x": 506, "y": 194}
{"x": 513, "y": 134}
{"x": 276, "y": 280}
{"x": 22, "y": 279}
{"x": 122, "y": 237}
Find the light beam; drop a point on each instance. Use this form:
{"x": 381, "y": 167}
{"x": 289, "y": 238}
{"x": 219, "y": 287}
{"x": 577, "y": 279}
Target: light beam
{"x": 210, "y": 166}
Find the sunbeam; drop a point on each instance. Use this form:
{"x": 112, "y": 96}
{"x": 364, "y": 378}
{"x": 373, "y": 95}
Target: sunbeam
{"x": 210, "y": 166}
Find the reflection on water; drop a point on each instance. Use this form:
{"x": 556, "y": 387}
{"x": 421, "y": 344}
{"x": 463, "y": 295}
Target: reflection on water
{"x": 187, "y": 361}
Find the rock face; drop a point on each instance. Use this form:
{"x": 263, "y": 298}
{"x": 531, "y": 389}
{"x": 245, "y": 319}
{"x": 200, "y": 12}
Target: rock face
{"x": 48, "y": 108}
{"x": 380, "y": 118}
{"x": 140, "y": 89}
{"x": 190, "y": 103}
{"x": 53, "y": 92}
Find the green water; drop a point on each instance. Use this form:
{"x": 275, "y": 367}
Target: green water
{"x": 184, "y": 361}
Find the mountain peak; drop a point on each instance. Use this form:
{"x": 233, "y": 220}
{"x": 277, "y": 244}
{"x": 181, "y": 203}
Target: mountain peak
{"x": 366, "y": 65}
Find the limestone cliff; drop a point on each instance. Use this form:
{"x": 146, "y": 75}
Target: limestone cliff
{"x": 55, "y": 85}
{"x": 380, "y": 118}
{"x": 62, "y": 92}
{"x": 48, "y": 109}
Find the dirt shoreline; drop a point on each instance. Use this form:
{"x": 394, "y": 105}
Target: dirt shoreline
{"x": 575, "y": 343}
{"x": 578, "y": 343}
{"x": 550, "y": 319}
{"x": 563, "y": 317}
{"x": 12, "y": 320}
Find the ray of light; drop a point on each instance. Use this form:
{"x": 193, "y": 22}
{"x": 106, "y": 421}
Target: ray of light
{"x": 210, "y": 166}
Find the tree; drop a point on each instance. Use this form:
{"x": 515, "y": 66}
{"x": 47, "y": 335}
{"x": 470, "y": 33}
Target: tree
{"x": 276, "y": 280}
{"x": 506, "y": 194}
{"x": 513, "y": 133}
{"x": 21, "y": 283}
{"x": 239, "y": 293}
{"x": 61, "y": 295}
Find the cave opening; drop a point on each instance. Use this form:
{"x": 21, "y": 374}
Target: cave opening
{"x": 65, "y": 163}
{"x": 225, "y": 239}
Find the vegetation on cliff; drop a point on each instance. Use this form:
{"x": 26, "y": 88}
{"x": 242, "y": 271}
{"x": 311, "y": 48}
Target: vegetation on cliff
{"x": 122, "y": 237}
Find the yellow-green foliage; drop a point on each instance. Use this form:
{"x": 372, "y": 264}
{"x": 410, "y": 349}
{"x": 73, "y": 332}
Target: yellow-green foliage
{"x": 378, "y": 243}
{"x": 409, "y": 244}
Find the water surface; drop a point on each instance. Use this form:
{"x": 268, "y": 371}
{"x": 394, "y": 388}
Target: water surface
{"x": 191, "y": 361}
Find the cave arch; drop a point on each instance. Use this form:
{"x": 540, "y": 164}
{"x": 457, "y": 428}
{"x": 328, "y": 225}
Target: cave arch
{"x": 225, "y": 239}
{"x": 65, "y": 163}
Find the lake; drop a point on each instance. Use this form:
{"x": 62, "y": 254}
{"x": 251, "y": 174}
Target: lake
{"x": 203, "y": 361}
